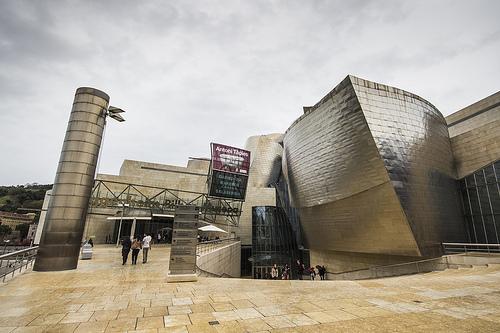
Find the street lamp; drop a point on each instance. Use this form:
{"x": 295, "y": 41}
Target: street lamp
{"x": 114, "y": 113}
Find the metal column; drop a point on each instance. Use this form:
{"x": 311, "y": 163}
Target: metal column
{"x": 63, "y": 229}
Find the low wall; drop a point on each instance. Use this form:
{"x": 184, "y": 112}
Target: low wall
{"x": 474, "y": 259}
{"x": 225, "y": 260}
{"x": 336, "y": 261}
{"x": 437, "y": 264}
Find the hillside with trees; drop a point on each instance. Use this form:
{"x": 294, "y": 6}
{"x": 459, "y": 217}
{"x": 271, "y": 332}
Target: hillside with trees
{"x": 22, "y": 198}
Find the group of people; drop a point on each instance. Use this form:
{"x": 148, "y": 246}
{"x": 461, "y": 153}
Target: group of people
{"x": 206, "y": 238}
{"x": 311, "y": 271}
{"x": 136, "y": 244}
{"x": 285, "y": 272}
{"x": 89, "y": 241}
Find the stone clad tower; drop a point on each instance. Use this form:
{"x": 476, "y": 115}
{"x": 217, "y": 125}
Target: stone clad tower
{"x": 63, "y": 229}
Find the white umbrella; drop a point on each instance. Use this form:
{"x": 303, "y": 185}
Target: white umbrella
{"x": 211, "y": 227}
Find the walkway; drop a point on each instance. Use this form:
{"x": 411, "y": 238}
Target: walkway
{"x": 104, "y": 296}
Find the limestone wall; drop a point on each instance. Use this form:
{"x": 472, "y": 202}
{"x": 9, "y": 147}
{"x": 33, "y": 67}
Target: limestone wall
{"x": 475, "y": 135}
{"x": 224, "y": 260}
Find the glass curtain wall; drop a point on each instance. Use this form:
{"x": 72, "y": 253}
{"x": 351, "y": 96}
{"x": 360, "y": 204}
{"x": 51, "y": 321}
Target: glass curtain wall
{"x": 481, "y": 201}
{"x": 292, "y": 213}
{"x": 273, "y": 241}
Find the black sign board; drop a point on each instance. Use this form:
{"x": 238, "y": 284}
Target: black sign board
{"x": 228, "y": 185}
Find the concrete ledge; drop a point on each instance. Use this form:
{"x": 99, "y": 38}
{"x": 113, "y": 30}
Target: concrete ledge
{"x": 181, "y": 278}
{"x": 474, "y": 259}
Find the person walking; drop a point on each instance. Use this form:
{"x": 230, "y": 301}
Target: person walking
{"x": 312, "y": 273}
{"x": 126, "y": 245}
{"x": 285, "y": 275}
{"x": 136, "y": 247}
{"x": 321, "y": 271}
{"x": 146, "y": 243}
{"x": 158, "y": 237}
{"x": 300, "y": 269}
{"x": 274, "y": 272}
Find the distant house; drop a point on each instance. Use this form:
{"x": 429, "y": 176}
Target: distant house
{"x": 14, "y": 219}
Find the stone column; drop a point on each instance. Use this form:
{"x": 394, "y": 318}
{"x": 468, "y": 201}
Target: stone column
{"x": 65, "y": 220}
{"x": 132, "y": 229}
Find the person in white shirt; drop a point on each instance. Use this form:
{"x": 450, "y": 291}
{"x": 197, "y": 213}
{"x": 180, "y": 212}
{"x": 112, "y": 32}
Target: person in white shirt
{"x": 146, "y": 241}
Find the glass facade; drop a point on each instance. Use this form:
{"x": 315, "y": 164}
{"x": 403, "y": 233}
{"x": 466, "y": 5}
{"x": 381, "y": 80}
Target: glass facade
{"x": 153, "y": 227}
{"x": 481, "y": 202}
{"x": 292, "y": 213}
{"x": 273, "y": 241}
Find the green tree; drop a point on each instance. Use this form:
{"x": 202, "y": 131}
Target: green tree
{"x": 5, "y": 230}
{"x": 23, "y": 229}
{"x": 9, "y": 206}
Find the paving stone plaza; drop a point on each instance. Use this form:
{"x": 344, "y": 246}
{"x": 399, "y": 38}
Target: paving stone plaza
{"x": 104, "y": 296}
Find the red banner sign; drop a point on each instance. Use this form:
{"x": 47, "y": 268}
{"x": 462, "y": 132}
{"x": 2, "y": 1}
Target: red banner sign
{"x": 230, "y": 159}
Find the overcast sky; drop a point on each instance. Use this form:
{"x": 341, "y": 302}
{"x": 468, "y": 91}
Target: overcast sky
{"x": 193, "y": 72}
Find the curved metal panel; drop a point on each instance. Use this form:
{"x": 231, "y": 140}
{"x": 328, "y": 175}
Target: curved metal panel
{"x": 370, "y": 169}
{"x": 65, "y": 220}
{"x": 412, "y": 139}
{"x": 266, "y": 152}
{"x": 329, "y": 152}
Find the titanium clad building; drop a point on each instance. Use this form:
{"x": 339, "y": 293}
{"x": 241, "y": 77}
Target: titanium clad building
{"x": 371, "y": 171}
{"x": 475, "y": 141}
{"x": 475, "y": 135}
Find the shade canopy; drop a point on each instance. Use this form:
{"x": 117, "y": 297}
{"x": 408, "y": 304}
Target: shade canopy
{"x": 211, "y": 228}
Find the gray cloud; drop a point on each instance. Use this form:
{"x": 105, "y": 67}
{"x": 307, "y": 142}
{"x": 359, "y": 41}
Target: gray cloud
{"x": 192, "y": 72}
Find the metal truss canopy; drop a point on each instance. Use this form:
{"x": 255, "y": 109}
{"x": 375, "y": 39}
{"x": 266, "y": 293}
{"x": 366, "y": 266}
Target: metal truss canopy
{"x": 112, "y": 194}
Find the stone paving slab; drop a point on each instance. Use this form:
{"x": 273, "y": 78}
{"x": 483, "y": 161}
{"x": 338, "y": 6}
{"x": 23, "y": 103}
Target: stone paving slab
{"x": 104, "y": 296}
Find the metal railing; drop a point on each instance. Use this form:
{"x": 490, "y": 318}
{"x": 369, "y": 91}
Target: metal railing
{"x": 12, "y": 248}
{"x": 15, "y": 262}
{"x": 209, "y": 246}
{"x": 452, "y": 248}
{"x": 112, "y": 194}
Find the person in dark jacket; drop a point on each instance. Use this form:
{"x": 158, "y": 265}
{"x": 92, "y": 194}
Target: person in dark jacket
{"x": 300, "y": 269}
{"x": 321, "y": 271}
{"x": 126, "y": 245}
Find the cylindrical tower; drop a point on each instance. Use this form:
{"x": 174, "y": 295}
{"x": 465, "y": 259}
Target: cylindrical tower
{"x": 65, "y": 220}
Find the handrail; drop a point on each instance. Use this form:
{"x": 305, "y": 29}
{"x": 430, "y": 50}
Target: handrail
{"x": 209, "y": 246}
{"x": 6, "y": 249}
{"x": 215, "y": 241}
{"x": 16, "y": 261}
{"x": 470, "y": 247}
{"x": 4, "y": 256}
{"x": 473, "y": 244}
{"x": 415, "y": 262}
{"x": 385, "y": 266}
{"x": 212, "y": 274}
